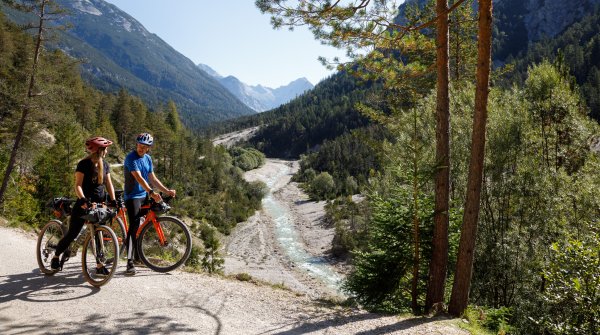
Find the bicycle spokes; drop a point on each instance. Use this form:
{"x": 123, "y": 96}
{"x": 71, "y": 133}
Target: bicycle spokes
{"x": 46, "y": 245}
{"x": 100, "y": 256}
{"x": 164, "y": 245}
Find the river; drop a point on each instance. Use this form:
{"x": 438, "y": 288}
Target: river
{"x": 284, "y": 243}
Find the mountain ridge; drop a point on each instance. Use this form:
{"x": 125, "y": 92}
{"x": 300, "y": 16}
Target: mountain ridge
{"x": 518, "y": 23}
{"x": 259, "y": 97}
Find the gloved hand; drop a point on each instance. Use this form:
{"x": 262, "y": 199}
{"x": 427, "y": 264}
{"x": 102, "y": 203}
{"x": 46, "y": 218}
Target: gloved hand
{"x": 86, "y": 203}
{"x": 112, "y": 203}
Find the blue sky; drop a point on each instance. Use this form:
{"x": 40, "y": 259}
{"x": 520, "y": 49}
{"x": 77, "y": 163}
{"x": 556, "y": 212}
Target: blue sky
{"x": 233, "y": 38}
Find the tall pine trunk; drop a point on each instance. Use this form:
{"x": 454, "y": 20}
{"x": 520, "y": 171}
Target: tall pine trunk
{"x": 27, "y": 108}
{"x": 466, "y": 248}
{"x": 439, "y": 260}
{"x": 416, "y": 221}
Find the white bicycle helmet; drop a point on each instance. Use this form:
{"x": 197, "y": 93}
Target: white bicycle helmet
{"x": 145, "y": 138}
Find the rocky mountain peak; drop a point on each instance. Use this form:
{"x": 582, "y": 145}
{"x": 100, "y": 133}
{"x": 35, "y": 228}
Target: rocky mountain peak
{"x": 258, "y": 97}
{"x": 520, "y": 22}
{"x": 117, "y": 18}
{"x": 548, "y": 18}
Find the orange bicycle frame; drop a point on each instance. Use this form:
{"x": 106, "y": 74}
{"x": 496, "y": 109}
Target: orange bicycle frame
{"x": 150, "y": 217}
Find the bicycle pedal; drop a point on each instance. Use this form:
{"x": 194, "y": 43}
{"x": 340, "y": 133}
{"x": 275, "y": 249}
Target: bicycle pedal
{"x": 65, "y": 257}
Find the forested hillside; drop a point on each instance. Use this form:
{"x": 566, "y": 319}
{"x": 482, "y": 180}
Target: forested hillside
{"x": 116, "y": 52}
{"x": 64, "y": 111}
{"x": 577, "y": 50}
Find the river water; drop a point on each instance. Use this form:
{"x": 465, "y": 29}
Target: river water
{"x": 290, "y": 240}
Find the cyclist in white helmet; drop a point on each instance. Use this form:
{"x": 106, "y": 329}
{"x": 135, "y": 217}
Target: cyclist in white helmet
{"x": 139, "y": 182}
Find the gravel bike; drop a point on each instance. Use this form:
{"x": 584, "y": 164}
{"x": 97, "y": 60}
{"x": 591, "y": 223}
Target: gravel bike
{"x": 99, "y": 243}
{"x": 164, "y": 243}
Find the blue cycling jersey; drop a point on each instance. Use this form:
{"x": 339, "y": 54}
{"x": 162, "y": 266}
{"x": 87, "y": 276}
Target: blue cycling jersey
{"x": 143, "y": 164}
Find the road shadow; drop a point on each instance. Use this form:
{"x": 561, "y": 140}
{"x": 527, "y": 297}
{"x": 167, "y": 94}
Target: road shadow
{"x": 146, "y": 320}
{"x": 307, "y": 326}
{"x": 34, "y": 286}
{"x": 138, "y": 323}
{"x": 399, "y": 326}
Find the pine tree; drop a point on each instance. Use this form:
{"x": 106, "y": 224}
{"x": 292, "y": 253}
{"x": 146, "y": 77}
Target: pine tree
{"x": 122, "y": 119}
{"x": 172, "y": 117}
{"x": 45, "y": 10}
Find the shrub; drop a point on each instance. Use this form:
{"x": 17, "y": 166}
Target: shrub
{"x": 211, "y": 261}
{"x": 323, "y": 186}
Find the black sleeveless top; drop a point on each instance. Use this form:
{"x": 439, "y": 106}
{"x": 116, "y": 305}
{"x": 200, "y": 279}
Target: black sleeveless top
{"x": 91, "y": 189}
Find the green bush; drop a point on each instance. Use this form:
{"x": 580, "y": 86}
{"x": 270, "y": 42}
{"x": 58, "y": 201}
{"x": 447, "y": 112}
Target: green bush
{"x": 247, "y": 158}
{"x": 573, "y": 292}
{"x": 350, "y": 222}
{"x": 194, "y": 260}
{"x": 211, "y": 261}
{"x": 322, "y": 186}
{"x": 243, "y": 277}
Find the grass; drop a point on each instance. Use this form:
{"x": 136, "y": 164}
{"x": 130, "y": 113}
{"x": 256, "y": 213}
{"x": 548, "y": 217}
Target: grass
{"x": 243, "y": 277}
{"x": 474, "y": 320}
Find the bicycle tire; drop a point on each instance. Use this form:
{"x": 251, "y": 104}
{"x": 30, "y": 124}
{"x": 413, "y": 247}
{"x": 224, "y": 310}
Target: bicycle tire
{"x": 118, "y": 227}
{"x": 46, "y": 244}
{"x": 167, "y": 258}
{"x": 110, "y": 250}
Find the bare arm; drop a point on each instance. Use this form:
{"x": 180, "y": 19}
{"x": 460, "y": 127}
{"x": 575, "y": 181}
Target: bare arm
{"x": 110, "y": 188}
{"x": 138, "y": 177}
{"x": 154, "y": 180}
{"x": 78, "y": 185}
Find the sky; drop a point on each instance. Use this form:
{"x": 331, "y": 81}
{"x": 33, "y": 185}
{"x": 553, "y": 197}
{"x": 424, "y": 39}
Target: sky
{"x": 234, "y": 38}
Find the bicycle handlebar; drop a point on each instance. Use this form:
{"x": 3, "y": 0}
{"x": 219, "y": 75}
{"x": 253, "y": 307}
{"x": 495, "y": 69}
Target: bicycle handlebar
{"x": 98, "y": 215}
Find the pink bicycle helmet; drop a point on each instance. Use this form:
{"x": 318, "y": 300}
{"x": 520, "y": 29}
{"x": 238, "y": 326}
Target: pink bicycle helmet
{"x": 95, "y": 143}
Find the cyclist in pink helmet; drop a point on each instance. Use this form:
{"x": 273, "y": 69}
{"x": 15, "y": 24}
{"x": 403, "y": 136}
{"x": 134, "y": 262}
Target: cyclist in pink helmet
{"x": 92, "y": 184}
{"x": 139, "y": 182}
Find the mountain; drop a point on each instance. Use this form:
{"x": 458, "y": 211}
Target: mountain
{"x": 323, "y": 113}
{"x": 260, "y": 98}
{"x": 577, "y": 47}
{"x": 520, "y": 22}
{"x": 119, "y": 52}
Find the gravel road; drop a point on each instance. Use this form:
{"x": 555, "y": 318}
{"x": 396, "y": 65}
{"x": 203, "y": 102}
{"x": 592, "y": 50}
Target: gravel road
{"x": 175, "y": 303}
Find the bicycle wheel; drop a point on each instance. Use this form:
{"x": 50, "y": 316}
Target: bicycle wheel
{"x": 102, "y": 248}
{"x": 46, "y": 244}
{"x": 168, "y": 256}
{"x": 118, "y": 227}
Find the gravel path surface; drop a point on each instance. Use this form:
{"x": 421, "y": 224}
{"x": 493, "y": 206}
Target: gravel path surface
{"x": 176, "y": 303}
